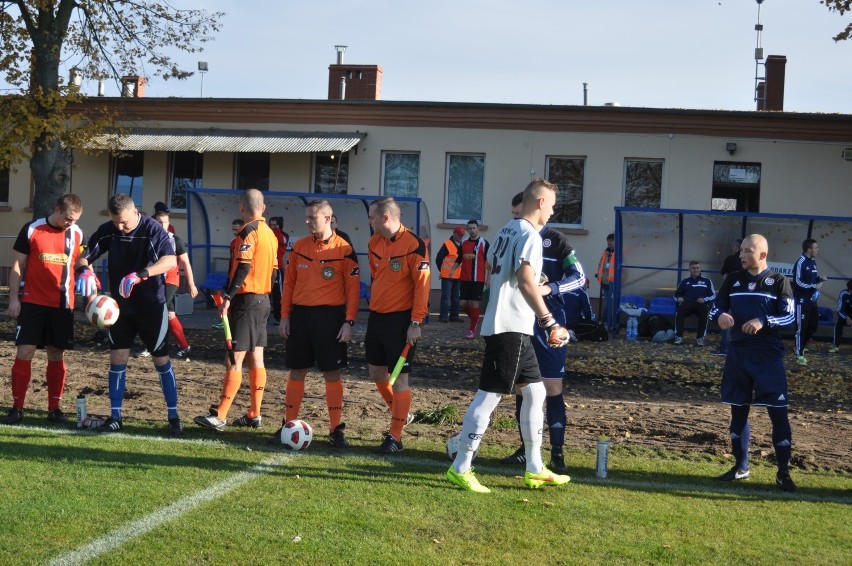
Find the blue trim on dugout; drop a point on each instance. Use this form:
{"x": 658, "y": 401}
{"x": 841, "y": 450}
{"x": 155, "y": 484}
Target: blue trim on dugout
{"x": 613, "y": 310}
{"x": 306, "y": 197}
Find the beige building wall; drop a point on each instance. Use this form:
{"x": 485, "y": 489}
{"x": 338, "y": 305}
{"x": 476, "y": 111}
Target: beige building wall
{"x": 798, "y": 177}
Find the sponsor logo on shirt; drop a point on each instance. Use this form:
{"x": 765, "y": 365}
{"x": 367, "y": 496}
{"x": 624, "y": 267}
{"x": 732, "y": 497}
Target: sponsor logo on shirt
{"x": 245, "y": 247}
{"x": 59, "y": 259}
{"x": 424, "y": 266}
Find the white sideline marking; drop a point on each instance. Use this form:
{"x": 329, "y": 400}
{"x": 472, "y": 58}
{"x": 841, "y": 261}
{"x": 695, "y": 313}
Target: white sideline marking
{"x": 166, "y": 514}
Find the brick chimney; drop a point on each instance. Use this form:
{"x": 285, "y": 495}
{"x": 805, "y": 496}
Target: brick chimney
{"x": 133, "y": 86}
{"x": 773, "y": 99}
{"x": 363, "y": 82}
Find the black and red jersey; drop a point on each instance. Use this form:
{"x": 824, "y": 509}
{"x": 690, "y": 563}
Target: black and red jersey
{"x": 51, "y": 254}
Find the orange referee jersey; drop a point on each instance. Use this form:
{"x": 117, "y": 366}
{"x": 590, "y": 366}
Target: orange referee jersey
{"x": 400, "y": 270}
{"x": 256, "y": 246}
{"x": 321, "y": 272}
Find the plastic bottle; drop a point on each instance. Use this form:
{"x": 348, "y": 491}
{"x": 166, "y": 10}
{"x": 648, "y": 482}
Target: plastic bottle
{"x": 632, "y": 328}
{"x": 81, "y": 410}
{"x": 602, "y": 461}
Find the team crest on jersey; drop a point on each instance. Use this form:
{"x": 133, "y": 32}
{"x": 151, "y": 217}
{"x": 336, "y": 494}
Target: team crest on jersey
{"x": 395, "y": 265}
{"x": 424, "y": 266}
{"x": 327, "y": 272}
{"x": 752, "y": 286}
{"x": 770, "y": 281}
{"x": 546, "y": 242}
{"x": 245, "y": 247}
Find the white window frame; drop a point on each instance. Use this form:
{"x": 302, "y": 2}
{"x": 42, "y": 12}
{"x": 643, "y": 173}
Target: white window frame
{"x": 453, "y": 219}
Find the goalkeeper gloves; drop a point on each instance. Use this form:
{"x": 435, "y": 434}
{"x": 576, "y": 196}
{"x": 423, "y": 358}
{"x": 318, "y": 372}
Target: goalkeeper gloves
{"x": 87, "y": 283}
{"x": 130, "y": 281}
{"x": 557, "y": 336}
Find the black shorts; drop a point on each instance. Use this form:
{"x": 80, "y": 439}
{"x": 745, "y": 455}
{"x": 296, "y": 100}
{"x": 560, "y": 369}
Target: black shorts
{"x": 247, "y": 317}
{"x": 313, "y": 338}
{"x": 509, "y": 360}
{"x": 471, "y": 290}
{"x": 152, "y": 326}
{"x": 171, "y": 290}
{"x": 385, "y": 339}
{"x": 755, "y": 376}
{"x": 42, "y": 326}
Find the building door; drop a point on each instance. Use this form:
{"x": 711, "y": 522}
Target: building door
{"x": 736, "y": 186}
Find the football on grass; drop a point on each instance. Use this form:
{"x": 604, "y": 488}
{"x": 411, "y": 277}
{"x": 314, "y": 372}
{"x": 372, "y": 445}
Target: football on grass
{"x": 453, "y": 446}
{"x": 102, "y": 311}
{"x": 296, "y": 435}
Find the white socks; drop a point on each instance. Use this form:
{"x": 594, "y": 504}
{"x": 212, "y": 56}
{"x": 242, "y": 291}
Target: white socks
{"x": 532, "y": 424}
{"x": 476, "y": 421}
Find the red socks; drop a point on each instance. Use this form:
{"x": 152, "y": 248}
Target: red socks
{"x": 21, "y": 371}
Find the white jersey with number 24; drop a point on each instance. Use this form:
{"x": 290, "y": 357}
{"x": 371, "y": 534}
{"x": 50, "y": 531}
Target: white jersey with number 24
{"x": 516, "y": 243}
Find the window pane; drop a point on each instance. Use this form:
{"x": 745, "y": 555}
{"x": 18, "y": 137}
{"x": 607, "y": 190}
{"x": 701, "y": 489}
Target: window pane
{"x": 187, "y": 173}
{"x": 643, "y": 183}
{"x": 253, "y": 171}
{"x": 128, "y": 175}
{"x": 568, "y": 173}
{"x": 4, "y": 185}
{"x": 736, "y": 173}
{"x": 465, "y": 180}
{"x": 401, "y": 176}
{"x": 331, "y": 173}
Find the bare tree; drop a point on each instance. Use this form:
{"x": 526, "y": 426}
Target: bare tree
{"x": 104, "y": 39}
{"x": 841, "y": 7}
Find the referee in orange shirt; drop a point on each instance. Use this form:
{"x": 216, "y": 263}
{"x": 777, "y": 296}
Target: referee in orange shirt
{"x": 319, "y": 303}
{"x": 399, "y": 264}
{"x": 246, "y": 302}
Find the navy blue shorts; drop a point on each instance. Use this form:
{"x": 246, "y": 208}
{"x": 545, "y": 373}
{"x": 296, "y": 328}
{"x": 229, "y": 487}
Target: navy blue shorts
{"x": 551, "y": 361}
{"x": 755, "y": 376}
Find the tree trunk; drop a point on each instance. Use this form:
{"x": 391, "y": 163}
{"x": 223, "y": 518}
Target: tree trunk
{"x": 51, "y": 167}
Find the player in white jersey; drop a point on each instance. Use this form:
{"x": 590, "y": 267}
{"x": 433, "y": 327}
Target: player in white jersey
{"x": 515, "y": 303}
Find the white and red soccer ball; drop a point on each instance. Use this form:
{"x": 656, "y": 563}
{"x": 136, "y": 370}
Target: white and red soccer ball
{"x": 453, "y": 446}
{"x": 296, "y": 435}
{"x": 102, "y": 311}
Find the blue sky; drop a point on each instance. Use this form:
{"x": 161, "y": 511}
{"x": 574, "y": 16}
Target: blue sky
{"x": 648, "y": 53}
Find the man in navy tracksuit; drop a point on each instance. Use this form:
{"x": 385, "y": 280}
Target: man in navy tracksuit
{"x": 807, "y": 283}
{"x": 694, "y": 295}
{"x": 844, "y": 316}
{"x": 754, "y": 304}
{"x": 562, "y": 273}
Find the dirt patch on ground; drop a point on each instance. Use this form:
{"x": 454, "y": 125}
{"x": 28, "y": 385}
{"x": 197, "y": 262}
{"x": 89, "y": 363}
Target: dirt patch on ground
{"x": 654, "y": 395}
